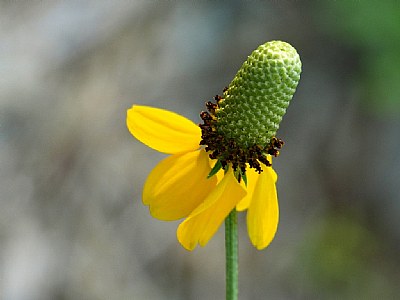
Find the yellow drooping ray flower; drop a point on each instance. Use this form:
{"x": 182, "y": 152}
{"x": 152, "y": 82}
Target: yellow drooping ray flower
{"x": 225, "y": 162}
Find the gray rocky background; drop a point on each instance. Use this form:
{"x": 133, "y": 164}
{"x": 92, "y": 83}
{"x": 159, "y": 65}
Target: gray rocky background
{"x": 72, "y": 225}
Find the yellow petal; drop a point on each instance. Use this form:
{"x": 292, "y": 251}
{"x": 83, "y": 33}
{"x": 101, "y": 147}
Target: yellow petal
{"x": 252, "y": 177}
{"x": 204, "y": 221}
{"x": 263, "y": 212}
{"x": 163, "y": 130}
{"x": 177, "y": 185}
{"x": 220, "y": 173}
{"x": 273, "y": 173}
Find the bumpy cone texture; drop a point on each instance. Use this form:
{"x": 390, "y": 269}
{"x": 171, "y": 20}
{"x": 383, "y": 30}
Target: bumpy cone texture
{"x": 256, "y": 100}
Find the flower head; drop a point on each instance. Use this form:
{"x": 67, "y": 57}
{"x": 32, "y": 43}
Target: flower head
{"x": 224, "y": 163}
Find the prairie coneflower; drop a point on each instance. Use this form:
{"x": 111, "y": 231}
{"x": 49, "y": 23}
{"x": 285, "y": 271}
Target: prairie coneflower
{"x": 235, "y": 143}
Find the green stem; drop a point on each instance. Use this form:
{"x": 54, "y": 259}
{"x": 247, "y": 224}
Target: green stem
{"x": 231, "y": 247}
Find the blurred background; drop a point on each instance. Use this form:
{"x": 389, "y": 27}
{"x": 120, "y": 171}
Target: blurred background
{"x": 72, "y": 225}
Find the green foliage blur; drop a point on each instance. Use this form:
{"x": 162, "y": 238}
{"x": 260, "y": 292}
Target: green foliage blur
{"x": 343, "y": 259}
{"x": 373, "y": 29}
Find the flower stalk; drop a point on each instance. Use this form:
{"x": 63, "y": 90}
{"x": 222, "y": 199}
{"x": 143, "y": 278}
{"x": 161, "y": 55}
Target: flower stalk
{"x": 231, "y": 250}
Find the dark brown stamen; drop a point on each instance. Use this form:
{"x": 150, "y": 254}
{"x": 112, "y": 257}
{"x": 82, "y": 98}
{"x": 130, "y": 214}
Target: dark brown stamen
{"x": 227, "y": 151}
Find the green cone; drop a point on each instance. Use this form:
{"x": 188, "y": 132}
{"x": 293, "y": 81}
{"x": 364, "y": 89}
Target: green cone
{"x": 256, "y": 100}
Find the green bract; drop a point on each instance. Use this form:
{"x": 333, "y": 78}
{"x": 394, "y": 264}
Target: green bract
{"x": 256, "y": 100}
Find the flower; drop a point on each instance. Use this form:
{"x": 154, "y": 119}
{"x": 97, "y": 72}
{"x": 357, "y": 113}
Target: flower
{"x": 225, "y": 162}
{"x": 178, "y": 186}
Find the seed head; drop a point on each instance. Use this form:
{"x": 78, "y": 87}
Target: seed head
{"x": 240, "y": 128}
{"x": 252, "y": 107}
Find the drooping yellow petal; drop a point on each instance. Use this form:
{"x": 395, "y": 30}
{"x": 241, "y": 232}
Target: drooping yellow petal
{"x": 177, "y": 185}
{"x": 272, "y": 172}
{"x": 163, "y": 130}
{"x": 220, "y": 173}
{"x": 263, "y": 212}
{"x": 252, "y": 177}
{"x": 204, "y": 221}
